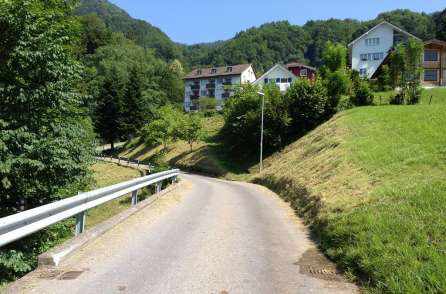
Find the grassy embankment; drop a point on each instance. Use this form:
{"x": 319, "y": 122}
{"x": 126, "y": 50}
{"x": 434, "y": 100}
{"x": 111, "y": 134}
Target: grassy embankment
{"x": 107, "y": 174}
{"x": 372, "y": 184}
{"x": 207, "y": 155}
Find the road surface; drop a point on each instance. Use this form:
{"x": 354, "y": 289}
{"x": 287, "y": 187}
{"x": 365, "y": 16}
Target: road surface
{"x": 211, "y": 236}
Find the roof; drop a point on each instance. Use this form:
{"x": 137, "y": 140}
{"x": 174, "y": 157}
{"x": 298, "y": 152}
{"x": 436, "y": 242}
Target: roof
{"x": 271, "y": 69}
{"x": 200, "y": 73}
{"x": 435, "y": 42}
{"x": 380, "y": 24}
{"x": 297, "y": 64}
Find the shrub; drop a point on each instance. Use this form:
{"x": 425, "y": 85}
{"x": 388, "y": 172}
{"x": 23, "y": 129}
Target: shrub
{"x": 308, "y": 105}
{"x": 242, "y": 114}
{"x": 362, "y": 95}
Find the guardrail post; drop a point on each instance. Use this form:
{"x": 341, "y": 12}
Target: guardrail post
{"x": 158, "y": 187}
{"x": 80, "y": 222}
{"x": 138, "y": 162}
{"x": 135, "y": 197}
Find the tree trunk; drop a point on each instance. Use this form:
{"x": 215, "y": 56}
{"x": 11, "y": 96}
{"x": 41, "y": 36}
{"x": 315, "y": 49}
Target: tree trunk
{"x": 112, "y": 145}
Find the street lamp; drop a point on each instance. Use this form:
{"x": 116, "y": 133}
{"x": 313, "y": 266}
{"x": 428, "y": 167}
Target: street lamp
{"x": 261, "y": 130}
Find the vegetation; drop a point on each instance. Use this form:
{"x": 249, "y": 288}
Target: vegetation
{"x": 265, "y": 45}
{"x": 373, "y": 194}
{"x": 140, "y": 32}
{"x": 405, "y": 70}
{"x": 104, "y": 175}
{"x": 46, "y": 137}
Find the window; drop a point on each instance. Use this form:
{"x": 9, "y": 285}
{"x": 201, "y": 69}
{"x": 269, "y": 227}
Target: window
{"x": 378, "y": 56}
{"x": 284, "y": 80}
{"x": 199, "y": 72}
{"x": 266, "y": 81}
{"x": 278, "y": 80}
{"x": 213, "y": 71}
{"x": 229, "y": 69}
{"x": 364, "y": 57}
{"x": 372, "y": 42}
{"x": 431, "y": 75}
{"x": 363, "y": 72}
{"x": 203, "y": 93}
{"x": 430, "y": 55}
{"x": 290, "y": 80}
{"x": 303, "y": 72}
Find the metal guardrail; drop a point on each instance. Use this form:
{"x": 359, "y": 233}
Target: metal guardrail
{"x": 17, "y": 226}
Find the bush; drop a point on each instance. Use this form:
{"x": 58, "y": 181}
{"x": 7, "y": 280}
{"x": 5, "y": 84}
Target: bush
{"x": 308, "y": 104}
{"x": 208, "y": 105}
{"x": 242, "y": 114}
{"x": 362, "y": 95}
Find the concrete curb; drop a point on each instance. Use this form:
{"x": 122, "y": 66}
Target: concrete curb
{"x": 57, "y": 255}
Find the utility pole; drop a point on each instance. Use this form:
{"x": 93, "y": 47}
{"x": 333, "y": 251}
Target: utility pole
{"x": 261, "y": 130}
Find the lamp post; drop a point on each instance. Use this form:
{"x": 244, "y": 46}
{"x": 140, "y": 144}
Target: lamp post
{"x": 261, "y": 130}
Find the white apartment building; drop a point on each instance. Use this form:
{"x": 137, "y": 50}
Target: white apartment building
{"x": 369, "y": 51}
{"x": 217, "y": 82}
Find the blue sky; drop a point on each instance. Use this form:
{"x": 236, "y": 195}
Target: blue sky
{"x": 195, "y": 21}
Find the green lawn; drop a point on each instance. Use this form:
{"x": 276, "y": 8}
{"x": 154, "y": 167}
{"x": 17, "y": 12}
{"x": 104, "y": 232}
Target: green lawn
{"x": 433, "y": 96}
{"x": 372, "y": 185}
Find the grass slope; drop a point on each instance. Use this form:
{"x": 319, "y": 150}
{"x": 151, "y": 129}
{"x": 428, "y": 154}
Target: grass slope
{"x": 372, "y": 184}
{"x": 107, "y": 174}
{"x": 207, "y": 156}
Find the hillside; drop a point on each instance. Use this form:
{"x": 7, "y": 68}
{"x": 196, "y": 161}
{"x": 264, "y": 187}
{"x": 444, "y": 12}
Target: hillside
{"x": 139, "y": 31}
{"x": 371, "y": 183}
{"x": 264, "y": 45}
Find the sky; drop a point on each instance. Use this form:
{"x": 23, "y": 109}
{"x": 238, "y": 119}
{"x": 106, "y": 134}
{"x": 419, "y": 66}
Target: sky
{"x": 198, "y": 21}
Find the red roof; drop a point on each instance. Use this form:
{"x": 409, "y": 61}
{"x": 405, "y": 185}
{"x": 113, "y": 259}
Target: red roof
{"x": 297, "y": 64}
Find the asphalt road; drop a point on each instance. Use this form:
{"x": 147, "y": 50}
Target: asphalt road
{"x": 212, "y": 237}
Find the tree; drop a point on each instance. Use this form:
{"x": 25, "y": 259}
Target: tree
{"x": 94, "y": 34}
{"x": 334, "y": 56}
{"x": 109, "y": 107}
{"x": 165, "y": 128}
{"x": 334, "y": 72}
{"x": 362, "y": 94}
{"x": 406, "y": 68}
{"x": 136, "y": 109}
{"x": 190, "y": 129}
{"x": 46, "y": 138}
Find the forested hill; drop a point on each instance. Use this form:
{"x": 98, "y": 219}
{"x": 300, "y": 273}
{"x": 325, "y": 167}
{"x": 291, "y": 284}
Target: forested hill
{"x": 265, "y": 45}
{"x": 139, "y": 31}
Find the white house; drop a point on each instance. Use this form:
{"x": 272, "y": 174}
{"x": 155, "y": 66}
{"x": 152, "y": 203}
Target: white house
{"x": 369, "y": 51}
{"x": 278, "y": 74}
{"x": 216, "y": 82}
